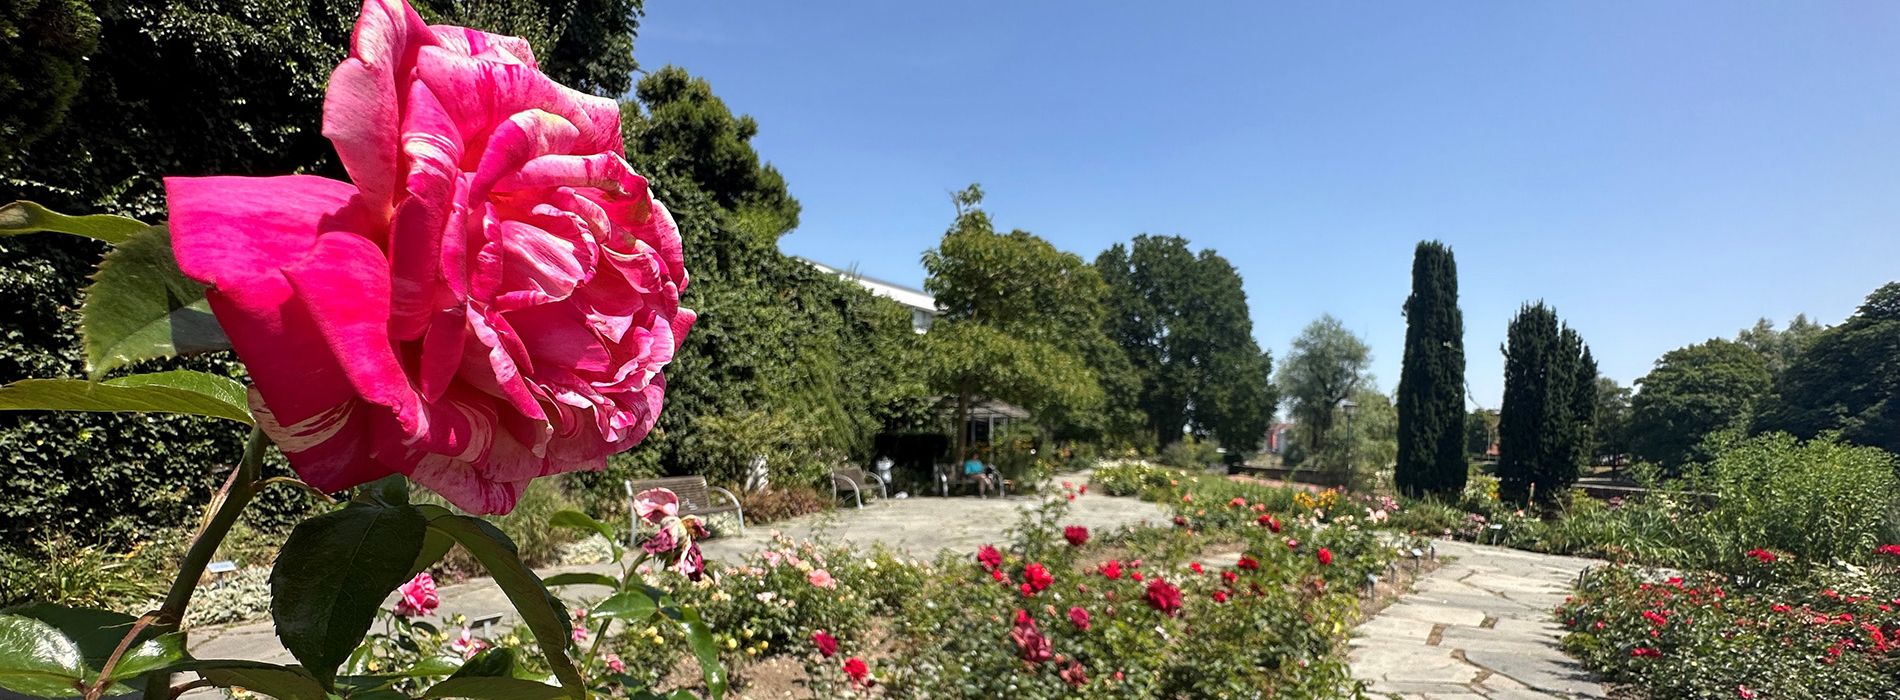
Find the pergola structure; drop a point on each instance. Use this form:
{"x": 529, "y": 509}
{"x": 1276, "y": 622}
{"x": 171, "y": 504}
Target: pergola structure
{"x": 986, "y": 417}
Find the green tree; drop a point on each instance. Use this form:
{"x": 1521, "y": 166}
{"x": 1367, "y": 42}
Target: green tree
{"x": 1481, "y": 431}
{"x": 1327, "y": 365}
{"x": 1692, "y": 393}
{"x": 1013, "y": 312}
{"x": 1610, "y": 434}
{"x": 1182, "y": 321}
{"x": 1780, "y": 347}
{"x": 47, "y": 44}
{"x": 1431, "y": 396}
{"x": 1847, "y": 379}
{"x": 1543, "y": 423}
{"x": 684, "y": 128}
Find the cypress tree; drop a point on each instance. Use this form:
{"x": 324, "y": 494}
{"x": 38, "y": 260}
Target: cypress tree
{"x": 1545, "y": 419}
{"x": 1431, "y": 394}
{"x": 1529, "y": 344}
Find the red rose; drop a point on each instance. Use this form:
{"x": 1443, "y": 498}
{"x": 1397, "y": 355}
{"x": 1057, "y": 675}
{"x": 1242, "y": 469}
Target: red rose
{"x": 827, "y": 644}
{"x": 1037, "y": 577}
{"x": 1195, "y": 567}
{"x": 856, "y": 670}
{"x": 1111, "y": 569}
{"x": 1164, "y": 597}
{"x": 1180, "y": 521}
{"x": 998, "y": 576}
{"x": 1892, "y": 550}
{"x": 1248, "y": 563}
{"x": 1220, "y": 596}
{"x": 989, "y": 557}
{"x": 1229, "y": 576}
{"x": 1030, "y": 644}
{"x": 1136, "y": 576}
{"x": 1076, "y": 535}
{"x": 1645, "y": 652}
{"x": 1079, "y": 617}
{"x": 1325, "y": 557}
{"x": 1074, "y": 675}
{"x": 1022, "y": 617}
{"x": 1762, "y": 555}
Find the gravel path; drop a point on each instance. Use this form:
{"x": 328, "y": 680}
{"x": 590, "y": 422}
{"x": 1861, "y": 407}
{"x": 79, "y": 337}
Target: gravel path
{"x": 1479, "y": 627}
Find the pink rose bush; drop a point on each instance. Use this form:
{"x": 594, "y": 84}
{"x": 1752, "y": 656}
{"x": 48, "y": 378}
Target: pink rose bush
{"x": 490, "y": 298}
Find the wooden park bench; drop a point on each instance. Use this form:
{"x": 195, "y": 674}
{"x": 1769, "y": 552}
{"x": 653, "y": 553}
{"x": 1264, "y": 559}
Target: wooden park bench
{"x": 695, "y": 498}
{"x": 951, "y": 476}
{"x": 854, "y": 478}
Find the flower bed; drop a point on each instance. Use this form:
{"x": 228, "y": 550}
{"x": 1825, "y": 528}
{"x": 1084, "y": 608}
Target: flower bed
{"x": 1701, "y": 636}
{"x": 1225, "y": 603}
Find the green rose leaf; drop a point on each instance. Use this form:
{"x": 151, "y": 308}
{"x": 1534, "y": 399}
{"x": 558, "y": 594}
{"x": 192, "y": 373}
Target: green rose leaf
{"x": 581, "y": 578}
{"x": 37, "y": 659}
{"x": 281, "y": 682}
{"x": 141, "y": 307}
{"x": 96, "y": 632}
{"x": 545, "y": 616}
{"x": 176, "y": 391}
{"x": 26, "y": 217}
{"x": 497, "y": 662}
{"x": 632, "y": 606}
{"x": 333, "y": 574}
{"x": 487, "y": 688}
{"x": 577, "y": 520}
{"x": 699, "y": 638}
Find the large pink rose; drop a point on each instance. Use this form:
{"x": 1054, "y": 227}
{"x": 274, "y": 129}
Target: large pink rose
{"x": 489, "y": 300}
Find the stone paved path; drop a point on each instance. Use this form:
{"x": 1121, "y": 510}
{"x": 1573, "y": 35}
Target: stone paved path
{"x": 1478, "y": 627}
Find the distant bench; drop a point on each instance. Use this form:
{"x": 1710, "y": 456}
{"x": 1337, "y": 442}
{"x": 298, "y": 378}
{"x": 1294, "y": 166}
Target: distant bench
{"x": 695, "y": 498}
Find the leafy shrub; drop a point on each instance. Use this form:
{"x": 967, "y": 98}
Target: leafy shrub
{"x": 782, "y": 502}
{"x": 1820, "y": 500}
{"x": 1191, "y": 453}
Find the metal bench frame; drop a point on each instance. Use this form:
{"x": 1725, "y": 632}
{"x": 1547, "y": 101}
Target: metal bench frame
{"x": 855, "y": 479}
{"x": 695, "y": 498}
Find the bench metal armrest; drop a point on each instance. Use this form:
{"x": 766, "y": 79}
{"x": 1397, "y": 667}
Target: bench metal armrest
{"x": 737, "y": 507}
{"x": 882, "y": 492}
{"x": 857, "y": 490}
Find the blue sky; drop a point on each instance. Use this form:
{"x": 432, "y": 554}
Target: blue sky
{"x": 1660, "y": 172}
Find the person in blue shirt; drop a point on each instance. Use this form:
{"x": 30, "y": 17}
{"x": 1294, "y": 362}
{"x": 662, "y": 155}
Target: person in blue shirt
{"x": 975, "y": 467}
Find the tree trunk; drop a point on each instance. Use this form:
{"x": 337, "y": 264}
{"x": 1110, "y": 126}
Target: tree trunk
{"x": 962, "y": 427}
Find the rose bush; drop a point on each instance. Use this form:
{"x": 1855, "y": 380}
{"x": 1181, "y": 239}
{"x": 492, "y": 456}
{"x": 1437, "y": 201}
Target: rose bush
{"x": 490, "y": 299}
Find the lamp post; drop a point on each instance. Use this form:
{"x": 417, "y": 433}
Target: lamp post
{"x": 1348, "y": 407}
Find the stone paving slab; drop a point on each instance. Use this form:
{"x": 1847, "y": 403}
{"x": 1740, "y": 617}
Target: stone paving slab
{"x": 1489, "y": 633}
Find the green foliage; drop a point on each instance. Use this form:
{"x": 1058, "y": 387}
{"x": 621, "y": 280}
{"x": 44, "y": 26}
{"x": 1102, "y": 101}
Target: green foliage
{"x": 1847, "y": 379}
{"x": 47, "y": 43}
{"x": 1328, "y": 364}
{"x": 68, "y": 572}
{"x": 1549, "y": 396}
{"x": 1191, "y": 454}
{"x": 1820, "y": 500}
{"x": 1431, "y": 395}
{"x": 1703, "y": 636}
{"x": 320, "y": 608}
{"x": 1610, "y": 434}
{"x": 1692, "y": 393}
{"x": 1017, "y": 315}
{"x": 1481, "y": 430}
{"x": 686, "y": 131}
{"x": 1182, "y": 321}
{"x": 1780, "y": 347}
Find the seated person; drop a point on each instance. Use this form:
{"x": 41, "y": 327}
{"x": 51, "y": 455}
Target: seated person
{"x": 974, "y": 467}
